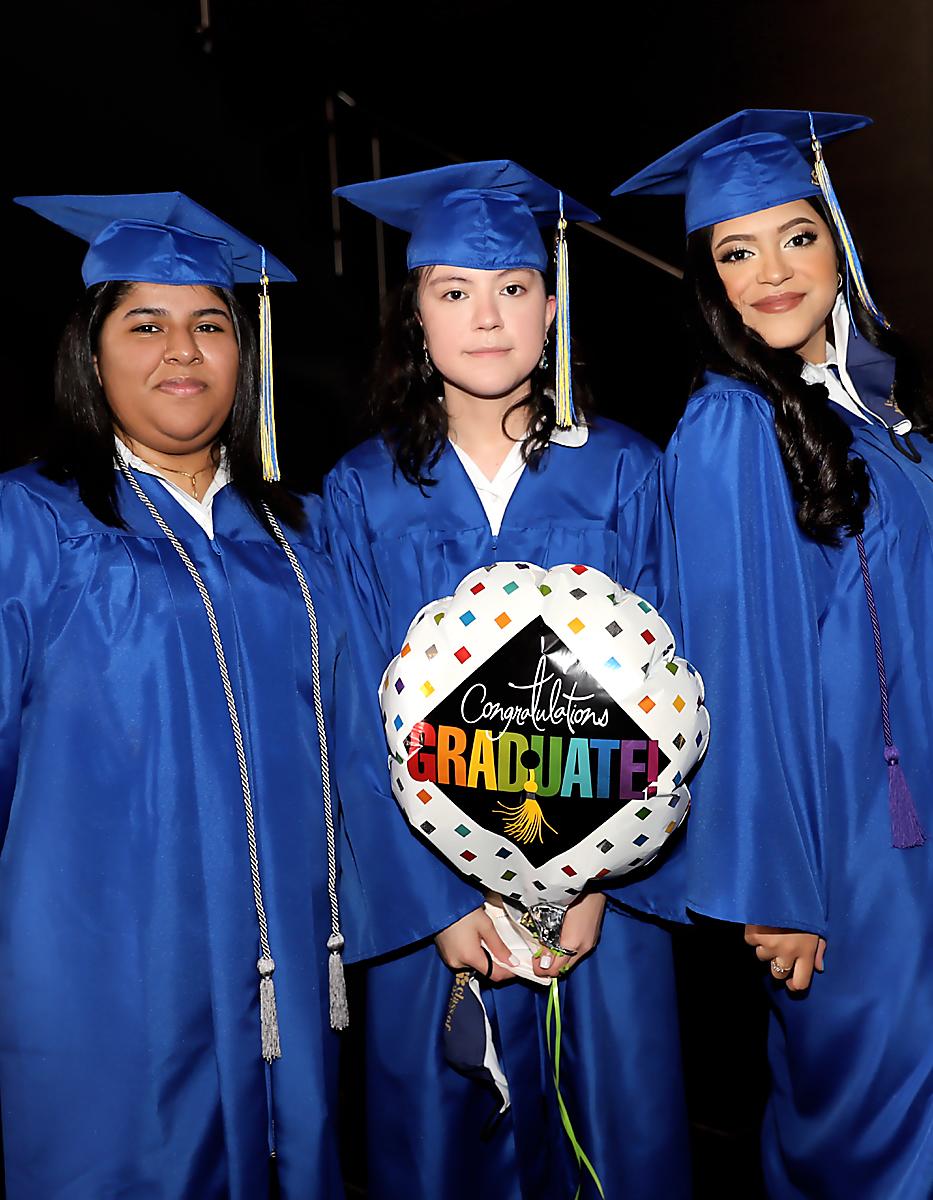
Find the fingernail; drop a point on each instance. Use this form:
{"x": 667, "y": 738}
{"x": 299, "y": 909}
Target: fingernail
{"x": 545, "y": 961}
{"x": 513, "y": 961}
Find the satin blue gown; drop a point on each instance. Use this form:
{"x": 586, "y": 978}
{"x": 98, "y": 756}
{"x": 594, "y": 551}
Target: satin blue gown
{"x": 790, "y": 824}
{"x": 130, "y": 1057}
{"x": 398, "y": 549}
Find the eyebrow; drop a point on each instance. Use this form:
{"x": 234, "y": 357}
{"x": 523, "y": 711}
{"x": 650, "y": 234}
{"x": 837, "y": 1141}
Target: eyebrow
{"x": 163, "y": 312}
{"x": 750, "y": 237}
{"x": 463, "y": 279}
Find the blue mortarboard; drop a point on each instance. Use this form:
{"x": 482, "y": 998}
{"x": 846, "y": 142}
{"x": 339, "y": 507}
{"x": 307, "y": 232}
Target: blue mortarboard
{"x": 164, "y": 237}
{"x": 753, "y": 160}
{"x": 484, "y": 216}
{"x": 750, "y": 161}
{"x": 158, "y": 237}
{"x": 481, "y": 215}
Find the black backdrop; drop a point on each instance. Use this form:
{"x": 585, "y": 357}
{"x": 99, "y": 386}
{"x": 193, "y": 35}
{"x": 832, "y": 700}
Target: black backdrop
{"x": 246, "y": 107}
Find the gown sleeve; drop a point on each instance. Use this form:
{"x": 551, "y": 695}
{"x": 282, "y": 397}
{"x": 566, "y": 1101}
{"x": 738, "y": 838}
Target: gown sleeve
{"x": 749, "y": 611}
{"x": 29, "y": 554}
{"x": 660, "y": 889}
{"x": 395, "y": 890}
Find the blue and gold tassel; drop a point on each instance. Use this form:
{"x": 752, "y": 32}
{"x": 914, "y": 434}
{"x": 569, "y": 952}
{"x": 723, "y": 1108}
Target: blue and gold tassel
{"x": 270, "y": 459}
{"x": 563, "y": 390}
{"x": 854, "y": 273}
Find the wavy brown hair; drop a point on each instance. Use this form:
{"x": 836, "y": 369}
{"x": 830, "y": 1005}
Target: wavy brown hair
{"x": 829, "y": 484}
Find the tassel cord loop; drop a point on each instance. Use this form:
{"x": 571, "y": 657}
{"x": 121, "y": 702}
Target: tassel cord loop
{"x": 339, "y": 1013}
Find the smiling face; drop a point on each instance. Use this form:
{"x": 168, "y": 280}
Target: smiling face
{"x": 168, "y": 361}
{"x": 484, "y": 330}
{"x": 779, "y": 269}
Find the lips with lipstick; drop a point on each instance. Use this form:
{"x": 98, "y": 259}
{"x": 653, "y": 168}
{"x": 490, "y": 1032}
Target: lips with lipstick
{"x": 781, "y": 302}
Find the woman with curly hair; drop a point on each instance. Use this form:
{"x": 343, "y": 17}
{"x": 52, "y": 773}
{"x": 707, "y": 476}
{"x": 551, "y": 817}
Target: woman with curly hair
{"x": 800, "y": 486}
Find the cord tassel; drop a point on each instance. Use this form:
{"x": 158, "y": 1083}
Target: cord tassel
{"x": 270, "y": 459}
{"x": 906, "y": 830}
{"x": 565, "y": 416}
{"x": 268, "y": 1017}
{"x": 339, "y": 1009}
{"x": 854, "y": 272}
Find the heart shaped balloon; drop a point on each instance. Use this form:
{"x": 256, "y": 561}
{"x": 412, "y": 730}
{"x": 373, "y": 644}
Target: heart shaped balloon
{"x": 540, "y": 729}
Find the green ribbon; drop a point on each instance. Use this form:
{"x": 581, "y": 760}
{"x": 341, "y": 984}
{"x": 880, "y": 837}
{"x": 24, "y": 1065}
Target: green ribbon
{"x": 553, "y": 1013}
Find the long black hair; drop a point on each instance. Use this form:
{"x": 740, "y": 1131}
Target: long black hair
{"x": 81, "y": 440}
{"x": 828, "y": 483}
{"x": 404, "y": 394}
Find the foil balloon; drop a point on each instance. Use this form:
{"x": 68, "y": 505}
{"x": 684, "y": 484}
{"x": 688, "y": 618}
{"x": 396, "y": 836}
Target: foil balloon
{"x": 540, "y": 729}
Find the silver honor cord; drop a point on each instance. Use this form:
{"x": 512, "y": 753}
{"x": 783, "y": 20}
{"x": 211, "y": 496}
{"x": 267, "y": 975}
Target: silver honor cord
{"x": 271, "y": 1045}
{"x": 339, "y": 1010}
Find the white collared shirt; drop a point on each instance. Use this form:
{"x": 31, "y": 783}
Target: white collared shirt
{"x": 495, "y": 493}
{"x": 841, "y": 389}
{"x": 201, "y": 510}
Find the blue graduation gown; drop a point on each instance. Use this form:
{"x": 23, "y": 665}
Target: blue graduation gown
{"x": 398, "y": 549}
{"x": 790, "y": 823}
{"x": 130, "y": 1059}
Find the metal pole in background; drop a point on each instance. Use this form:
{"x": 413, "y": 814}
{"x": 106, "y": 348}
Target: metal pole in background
{"x": 334, "y": 202}
{"x": 380, "y": 228}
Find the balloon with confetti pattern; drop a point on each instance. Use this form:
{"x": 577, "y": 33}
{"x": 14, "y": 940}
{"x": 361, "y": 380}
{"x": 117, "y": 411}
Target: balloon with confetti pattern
{"x": 540, "y": 729}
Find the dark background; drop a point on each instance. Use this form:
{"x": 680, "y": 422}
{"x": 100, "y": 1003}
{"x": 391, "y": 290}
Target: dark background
{"x": 251, "y": 107}
{"x": 119, "y": 97}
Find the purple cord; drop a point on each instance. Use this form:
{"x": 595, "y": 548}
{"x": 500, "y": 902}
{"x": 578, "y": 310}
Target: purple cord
{"x": 906, "y": 830}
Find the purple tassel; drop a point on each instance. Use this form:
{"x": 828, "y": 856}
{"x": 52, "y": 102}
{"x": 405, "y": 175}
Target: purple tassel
{"x": 906, "y": 830}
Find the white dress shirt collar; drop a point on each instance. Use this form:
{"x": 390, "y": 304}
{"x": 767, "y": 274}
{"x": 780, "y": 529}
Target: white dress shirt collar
{"x": 201, "y": 510}
{"x": 495, "y": 493}
{"x": 841, "y": 389}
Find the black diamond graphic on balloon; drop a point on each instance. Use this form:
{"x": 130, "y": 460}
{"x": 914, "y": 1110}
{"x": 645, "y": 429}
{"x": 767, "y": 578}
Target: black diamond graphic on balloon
{"x": 533, "y": 706}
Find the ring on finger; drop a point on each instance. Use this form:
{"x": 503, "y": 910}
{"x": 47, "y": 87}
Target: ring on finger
{"x": 779, "y": 969}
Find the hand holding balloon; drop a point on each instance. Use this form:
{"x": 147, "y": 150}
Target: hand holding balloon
{"x": 579, "y": 932}
{"x": 461, "y": 946}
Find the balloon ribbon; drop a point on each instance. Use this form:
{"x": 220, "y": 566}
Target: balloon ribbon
{"x": 583, "y": 1163}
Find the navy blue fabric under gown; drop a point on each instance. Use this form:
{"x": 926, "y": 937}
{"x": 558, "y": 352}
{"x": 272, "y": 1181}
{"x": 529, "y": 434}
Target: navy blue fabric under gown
{"x": 130, "y": 1060}
{"x": 399, "y": 549}
{"x": 790, "y": 823}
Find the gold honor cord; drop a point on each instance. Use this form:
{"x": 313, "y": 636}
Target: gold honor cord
{"x": 854, "y": 273}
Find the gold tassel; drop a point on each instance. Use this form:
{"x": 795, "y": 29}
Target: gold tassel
{"x": 563, "y": 384}
{"x": 270, "y": 461}
{"x": 524, "y": 821}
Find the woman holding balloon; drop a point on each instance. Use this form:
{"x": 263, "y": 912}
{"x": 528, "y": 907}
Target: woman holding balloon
{"x": 477, "y": 462}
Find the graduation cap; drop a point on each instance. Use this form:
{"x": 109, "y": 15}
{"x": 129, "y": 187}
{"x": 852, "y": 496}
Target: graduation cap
{"x": 756, "y": 159}
{"x": 484, "y": 216}
{"x": 165, "y": 237}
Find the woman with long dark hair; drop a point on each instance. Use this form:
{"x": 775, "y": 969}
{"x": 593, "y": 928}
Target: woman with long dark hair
{"x": 804, "y": 460}
{"x": 165, "y": 875}
{"x": 476, "y": 461}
